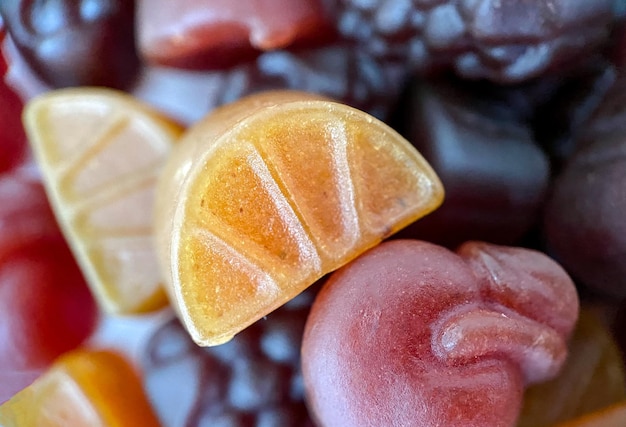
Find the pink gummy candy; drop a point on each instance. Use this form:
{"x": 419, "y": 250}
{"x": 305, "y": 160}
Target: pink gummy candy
{"x": 412, "y": 334}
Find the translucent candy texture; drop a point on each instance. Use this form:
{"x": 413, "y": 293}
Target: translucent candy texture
{"x": 83, "y": 388}
{"x": 411, "y": 334}
{"x": 221, "y": 33}
{"x": 100, "y": 152}
{"x": 73, "y": 43}
{"x": 268, "y": 194}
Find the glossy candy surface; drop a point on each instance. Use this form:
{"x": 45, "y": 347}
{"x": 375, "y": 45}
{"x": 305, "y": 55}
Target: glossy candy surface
{"x": 83, "y": 388}
{"x": 268, "y": 194}
{"x": 412, "y": 334}
{"x": 100, "y": 152}
{"x": 72, "y": 43}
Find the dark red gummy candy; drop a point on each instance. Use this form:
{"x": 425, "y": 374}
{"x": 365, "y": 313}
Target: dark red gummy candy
{"x": 220, "y": 33}
{"x": 339, "y": 71}
{"x": 494, "y": 174}
{"x": 75, "y": 42}
{"x": 585, "y": 217}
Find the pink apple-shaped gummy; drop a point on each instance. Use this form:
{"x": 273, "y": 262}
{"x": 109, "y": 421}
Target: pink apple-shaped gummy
{"x": 412, "y": 334}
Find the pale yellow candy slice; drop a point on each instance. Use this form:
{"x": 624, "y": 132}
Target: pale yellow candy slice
{"x": 100, "y": 152}
{"x": 82, "y": 389}
{"x": 266, "y": 195}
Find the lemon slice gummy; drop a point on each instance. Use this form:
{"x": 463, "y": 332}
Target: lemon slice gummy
{"x": 100, "y": 152}
{"x": 266, "y": 195}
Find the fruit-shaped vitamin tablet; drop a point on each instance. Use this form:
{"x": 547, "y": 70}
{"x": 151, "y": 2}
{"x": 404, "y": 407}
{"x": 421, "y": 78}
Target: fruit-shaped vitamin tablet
{"x": 82, "y": 388}
{"x": 100, "y": 152}
{"x": 268, "y": 194}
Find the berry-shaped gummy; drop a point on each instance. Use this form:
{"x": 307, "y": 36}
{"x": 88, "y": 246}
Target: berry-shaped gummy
{"x": 504, "y": 41}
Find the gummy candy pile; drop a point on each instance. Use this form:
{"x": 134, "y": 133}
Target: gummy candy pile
{"x": 313, "y": 213}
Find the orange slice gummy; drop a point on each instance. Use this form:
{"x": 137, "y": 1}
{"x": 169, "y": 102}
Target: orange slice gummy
{"x": 100, "y": 152}
{"x": 82, "y": 388}
{"x": 266, "y": 195}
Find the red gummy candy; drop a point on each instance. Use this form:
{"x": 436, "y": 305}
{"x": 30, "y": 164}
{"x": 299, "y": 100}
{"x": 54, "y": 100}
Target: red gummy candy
{"x": 45, "y": 306}
{"x": 220, "y": 33}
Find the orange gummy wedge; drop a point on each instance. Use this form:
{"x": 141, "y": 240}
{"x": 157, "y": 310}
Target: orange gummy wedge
{"x": 266, "y": 195}
{"x": 100, "y": 152}
{"x": 82, "y": 388}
